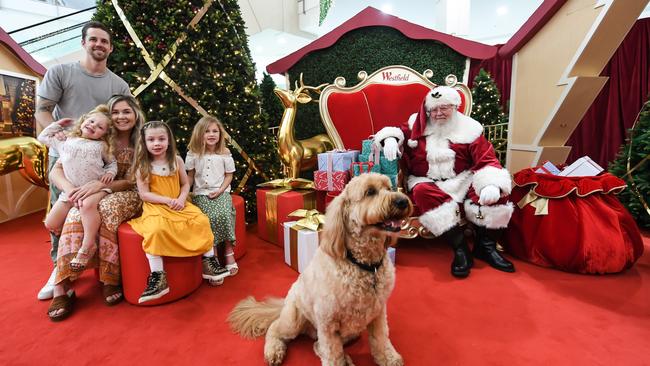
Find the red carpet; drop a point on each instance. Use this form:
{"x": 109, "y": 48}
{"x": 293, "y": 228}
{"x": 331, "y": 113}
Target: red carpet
{"x": 536, "y": 316}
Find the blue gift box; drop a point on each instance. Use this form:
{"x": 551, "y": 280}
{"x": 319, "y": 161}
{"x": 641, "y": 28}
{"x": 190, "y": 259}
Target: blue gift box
{"x": 366, "y": 146}
{"x": 341, "y": 160}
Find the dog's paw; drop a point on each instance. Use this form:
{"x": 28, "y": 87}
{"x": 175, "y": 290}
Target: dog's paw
{"x": 274, "y": 352}
{"x": 393, "y": 359}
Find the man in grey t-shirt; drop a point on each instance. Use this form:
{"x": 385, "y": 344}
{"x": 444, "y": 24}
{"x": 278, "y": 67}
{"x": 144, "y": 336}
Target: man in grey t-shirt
{"x": 69, "y": 91}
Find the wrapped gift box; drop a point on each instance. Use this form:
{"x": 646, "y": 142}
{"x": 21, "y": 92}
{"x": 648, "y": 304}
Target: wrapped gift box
{"x": 274, "y": 206}
{"x": 330, "y": 181}
{"x": 299, "y": 245}
{"x": 338, "y": 160}
{"x": 391, "y": 254}
{"x": 359, "y": 168}
{"x": 393, "y": 180}
{"x": 382, "y": 165}
{"x": 367, "y": 146}
{"x": 583, "y": 167}
{"x": 548, "y": 168}
{"x": 329, "y": 198}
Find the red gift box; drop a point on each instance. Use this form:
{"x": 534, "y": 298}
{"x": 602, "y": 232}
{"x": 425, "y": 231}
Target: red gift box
{"x": 330, "y": 181}
{"x": 273, "y": 208}
{"x": 329, "y": 198}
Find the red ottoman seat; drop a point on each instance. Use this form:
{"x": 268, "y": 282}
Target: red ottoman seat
{"x": 240, "y": 226}
{"x": 183, "y": 274}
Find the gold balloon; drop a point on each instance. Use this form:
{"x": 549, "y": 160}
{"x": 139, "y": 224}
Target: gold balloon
{"x": 26, "y": 155}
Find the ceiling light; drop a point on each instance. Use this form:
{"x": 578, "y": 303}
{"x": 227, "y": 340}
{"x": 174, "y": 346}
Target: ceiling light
{"x": 502, "y": 10}
{"x": 387, "y": 8}
{"x": 282, "y": 40}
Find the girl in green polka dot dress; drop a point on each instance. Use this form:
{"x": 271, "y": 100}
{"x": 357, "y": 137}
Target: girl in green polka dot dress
{"x": 210, "y": 167}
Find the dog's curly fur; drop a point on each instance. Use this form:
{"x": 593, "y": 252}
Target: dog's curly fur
{"x": 334, "y": 300}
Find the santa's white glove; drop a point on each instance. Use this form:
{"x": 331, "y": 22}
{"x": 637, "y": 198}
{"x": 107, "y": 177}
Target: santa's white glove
{"x": 489, "y": 195}
{"x": 390, "y": 148}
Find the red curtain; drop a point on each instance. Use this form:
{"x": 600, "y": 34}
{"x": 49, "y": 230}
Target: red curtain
{"x": 500, "y": 70}
{"x": 604, "y": 127}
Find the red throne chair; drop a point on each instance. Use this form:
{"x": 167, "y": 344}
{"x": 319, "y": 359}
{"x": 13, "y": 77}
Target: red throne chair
{"x": 183, "y": 274}
{"x": 387, "y": 97}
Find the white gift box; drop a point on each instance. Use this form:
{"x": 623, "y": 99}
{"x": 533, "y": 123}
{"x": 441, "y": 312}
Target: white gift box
{"x": 583, "y": 167}
{"x": 391, "y": 254}
{"x": 299, "y": 246}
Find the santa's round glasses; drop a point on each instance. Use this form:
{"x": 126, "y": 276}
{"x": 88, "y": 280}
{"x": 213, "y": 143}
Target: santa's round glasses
{"x": 443, "y": 108}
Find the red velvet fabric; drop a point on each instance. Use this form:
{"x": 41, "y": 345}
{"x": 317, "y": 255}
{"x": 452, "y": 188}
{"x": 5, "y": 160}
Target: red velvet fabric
{"x": 500, "y": 69}
{"x": 360, "y": 114}
{"x": 587, "y": 230}
{"x": 604, "y": 127}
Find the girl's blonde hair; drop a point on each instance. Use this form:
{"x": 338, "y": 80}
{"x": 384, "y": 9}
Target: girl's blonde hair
{"x": 108, "y": 136}
{"x": 197, "y": 141}
{"x": 139, "y": 114}
{"x": 142, "y": 163}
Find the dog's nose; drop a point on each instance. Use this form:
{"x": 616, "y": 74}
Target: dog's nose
{"x": 401, "y": 203}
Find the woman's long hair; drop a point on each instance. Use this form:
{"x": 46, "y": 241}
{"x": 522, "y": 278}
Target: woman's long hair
{"x": 142, "y": 163}
{"x": 137, "y": 110}
{"x": 108, "y": 137}
{"x": 197, "y": 141}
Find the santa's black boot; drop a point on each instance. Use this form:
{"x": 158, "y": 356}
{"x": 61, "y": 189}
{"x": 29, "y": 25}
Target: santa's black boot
{"x": 485, "y": 248}
{"x": 462, "y": 257}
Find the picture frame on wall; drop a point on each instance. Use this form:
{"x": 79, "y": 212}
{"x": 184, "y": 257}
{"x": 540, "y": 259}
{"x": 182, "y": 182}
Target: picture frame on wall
{"x": 17, "y": 104}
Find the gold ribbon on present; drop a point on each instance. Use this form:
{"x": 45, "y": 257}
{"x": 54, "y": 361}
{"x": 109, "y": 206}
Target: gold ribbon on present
{"x": 311, "y": 219}
{"x": 288, "y": 183}
{"x": 272, "y": 219}
{"x": 540, "y": 203}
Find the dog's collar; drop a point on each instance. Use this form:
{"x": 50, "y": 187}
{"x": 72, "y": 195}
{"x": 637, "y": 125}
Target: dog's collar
{"x": 366, "y": 267}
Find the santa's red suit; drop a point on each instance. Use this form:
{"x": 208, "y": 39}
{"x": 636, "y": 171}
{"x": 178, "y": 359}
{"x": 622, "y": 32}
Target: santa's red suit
{"x": 447, "y": 164}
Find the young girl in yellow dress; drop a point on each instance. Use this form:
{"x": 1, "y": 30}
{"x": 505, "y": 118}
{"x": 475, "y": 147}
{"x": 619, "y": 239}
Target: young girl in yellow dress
{"x": 171, "y": 225}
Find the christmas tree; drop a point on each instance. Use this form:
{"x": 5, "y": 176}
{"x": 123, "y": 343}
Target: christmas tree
{"x": 633, "y": 165}
{"x": 207, "y": 68}
{"x": 23, "y": 110}
{"x": 486, "y": 100}
{"x": 487, "y": 110}
{"x": 270, "y": 102}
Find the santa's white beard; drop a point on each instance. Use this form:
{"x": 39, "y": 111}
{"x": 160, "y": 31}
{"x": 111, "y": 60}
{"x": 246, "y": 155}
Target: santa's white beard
{"x": 441, "y": 128}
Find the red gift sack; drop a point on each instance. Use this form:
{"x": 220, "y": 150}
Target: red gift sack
{"x": 575, "y": 224}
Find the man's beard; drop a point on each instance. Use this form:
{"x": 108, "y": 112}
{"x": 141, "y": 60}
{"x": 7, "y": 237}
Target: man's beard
{"x": 441, "y": 127}
{"x": 95, "y": 55}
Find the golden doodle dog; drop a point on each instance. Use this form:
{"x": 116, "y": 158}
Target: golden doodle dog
{"x": 344, "y": 289}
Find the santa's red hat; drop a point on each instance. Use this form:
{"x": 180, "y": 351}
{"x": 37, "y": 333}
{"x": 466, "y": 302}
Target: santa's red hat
{"x": 438, "y": 96}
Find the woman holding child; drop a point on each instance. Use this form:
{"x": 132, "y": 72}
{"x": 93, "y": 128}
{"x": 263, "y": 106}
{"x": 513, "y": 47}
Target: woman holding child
{"x": 121, "y": 204}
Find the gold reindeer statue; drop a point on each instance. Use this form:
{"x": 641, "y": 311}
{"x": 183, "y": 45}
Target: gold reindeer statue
{"x": 299, "y": 155}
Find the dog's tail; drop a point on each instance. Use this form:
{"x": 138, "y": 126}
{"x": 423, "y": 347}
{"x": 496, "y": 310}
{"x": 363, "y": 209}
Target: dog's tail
{"x": 251, "y": 318}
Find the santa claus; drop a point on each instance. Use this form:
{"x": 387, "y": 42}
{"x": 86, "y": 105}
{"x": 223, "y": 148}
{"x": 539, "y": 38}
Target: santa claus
{"x": 447, "y": 162}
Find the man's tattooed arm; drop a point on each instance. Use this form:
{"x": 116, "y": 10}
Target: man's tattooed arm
{"x": 44, "y": 108}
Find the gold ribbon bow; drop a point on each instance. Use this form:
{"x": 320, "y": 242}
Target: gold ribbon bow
{"x": 311, "y": 219}
{"x": 540, "y": 203}
{"x": 289, "y": 183}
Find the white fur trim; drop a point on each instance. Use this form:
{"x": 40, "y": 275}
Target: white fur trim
{"x": 441, "y": 218}
{"x": 412, "y": 143}
{"x": 387, "y": 132}
{"x": 491, "y": 175}
{"x": 466, "y": 130}
{"x": 412, "y": 119}
{"x": 457, "y": 186}
{"x": 447, "y": 96}
{"x": 440, "y": 157}
{"x": 413, "y": 180}
{"x": 494, "y": 217}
